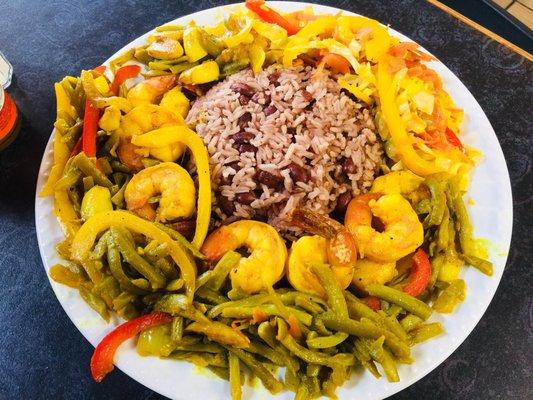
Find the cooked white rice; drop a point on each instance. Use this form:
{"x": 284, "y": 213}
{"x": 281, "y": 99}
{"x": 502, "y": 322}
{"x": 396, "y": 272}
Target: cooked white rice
{"x": 284, "y": 118}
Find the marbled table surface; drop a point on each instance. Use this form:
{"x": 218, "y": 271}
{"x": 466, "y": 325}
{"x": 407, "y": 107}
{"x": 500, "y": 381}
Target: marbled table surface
{"x": 43, "y": 356}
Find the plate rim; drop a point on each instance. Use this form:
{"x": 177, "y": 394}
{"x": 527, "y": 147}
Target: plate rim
{"x": 284, "y": 5}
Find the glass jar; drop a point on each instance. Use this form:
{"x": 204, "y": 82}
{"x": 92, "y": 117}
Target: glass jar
{"x": 9, "y": 114}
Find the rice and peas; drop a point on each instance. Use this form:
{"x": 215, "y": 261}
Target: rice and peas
{"x": 282, "y": 139}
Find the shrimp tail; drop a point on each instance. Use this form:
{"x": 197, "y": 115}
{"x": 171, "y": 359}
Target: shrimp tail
{"x": 312, "y": 222}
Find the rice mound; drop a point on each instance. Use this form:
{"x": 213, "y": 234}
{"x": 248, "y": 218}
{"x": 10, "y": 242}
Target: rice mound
{"x": 282, "y": 139}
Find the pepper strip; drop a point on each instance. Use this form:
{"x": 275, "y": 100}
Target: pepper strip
{"x": 122, "y": 75}
{"x": 271, "y": 16}
{"x": 102, "y": 359}
{"x": 182, "y": 134}
{"x": 86, "y": 236}
{"x": 420, "y": 274}
{"x": 90, "y": 126}
{"x": 402, "y": 142}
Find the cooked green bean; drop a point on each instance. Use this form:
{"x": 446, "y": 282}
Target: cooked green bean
{"x": 105, "y": 166}
{"x": 251, "y": 301}
{"x": 100, "y": 248}
{"x": 382, "y": 356}
{"x": 425, "y": 332}
{"x": 199, "y": 347}
{"x": 95, "y": 302}
{"x": 268, "y": 309}
{"x": 222, "y": 269}
{"x": 234, "y": 376}
{"x": 121, "y": 59}
{"x": 334, "y": 292}
{"x": 167, "y": 267}
{"x": 365, "y": 329}
{"x": 176, "y": 329}
{"x": 266, "y": 332}
{"x": 303, "y": 391}
{"x": 363, "y": 355}
{"x": 88, "y": 183}
{"x": 201, "y": 359}
{"x": 292, "y": 380}
{"x": 323, "y": 342}
{"x": 178, "y": 305}
{"x": 404, "y": 300}
{"x": 222, "y": 373}
{"x": 266, "y": 352}
{"x": 118, "y": 198}
{"x": 111, "y": 144}
{"x": 311, "y": 356}
{"x": 269, "y": 381}
{"x": 308, "y": 305}
{"x": 88, "y": 167}
{"x": 211, "y": 296}
{"x": 483, "y": 265}
{"x": 410, "y": 322}
{"x": 115, "y": 266}
{"x": 178, "y": 237}
{"x": 70, "y": 177}
{"x": 157, "y": 280}
{"x": 176, "y": 69}
{"x": 358, "y": 309}
{"x": 175, "y": 285}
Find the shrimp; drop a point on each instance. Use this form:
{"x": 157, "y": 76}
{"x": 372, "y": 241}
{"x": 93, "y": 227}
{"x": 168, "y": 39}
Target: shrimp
{"x": 172, "y": 182}
{"x": 150, "y": 91}
{"x": 402, "y": 234}
{"x": 146, "y": 118}
{"x": 332, "y": 244}
{"x": 128, "y": 155}
{"x": 268, "y": 253}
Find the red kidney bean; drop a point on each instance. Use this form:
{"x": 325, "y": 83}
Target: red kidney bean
{"x": 348, "y": 166}
{"x": 271, "y": 109}
{"x": 242, "y": 137}
{"x": 243, "y": 89}
{"x": 243, "y": 100}
{"x": 186, "y": 227}
{"x": 342, "y": 202}
{"x": 247, "y": 148}
{"x": 226, "y": 180}
{"x": 298, "y": 173}
{"x": 245, "y": 198}
{"x": 306, "y": 95}
{"x": 273, "y": 78}
{"x": 226, "y": 205}
{"x": 271, "y": 180}
{"x": 235, "y": 165}
{"x": 244, "y": 119}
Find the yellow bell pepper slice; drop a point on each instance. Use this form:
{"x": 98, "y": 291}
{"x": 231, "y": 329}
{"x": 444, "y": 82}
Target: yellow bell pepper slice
{"x": 86, "y": 236}
{"x": 101, "y": 84}
{"x": 402, "y": 142}
{"x": 257, "y": 57}
{"x": 243, "y": 36}
{"x": 208, "y": 71}
{"x": 272, "y": 32}
{"x": 192, "y": 42}
{"x": 63, "y": 101}
{"x": 61, "y": 156}
{"x": 182, "y": 134}
{"x": 343, "y": 83}
{"x": 65, "y": 213}
{"x": 96, "y": 200}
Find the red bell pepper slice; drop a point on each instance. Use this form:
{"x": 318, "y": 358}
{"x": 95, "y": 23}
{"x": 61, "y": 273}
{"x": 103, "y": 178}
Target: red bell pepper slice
{"x": 100, "y": 69}
{"x": 452, "y": 138}
{"x": 271, "y": 16}
{"x": 123, "y": 74}
{"x": 90, "y": 126}
{"x": 102, "y": 359}
{"x": 337, "y": 63}
{"x": 373, "y": 302}
{"x": 77, "y": 147}
{"x": 420, "y": 273}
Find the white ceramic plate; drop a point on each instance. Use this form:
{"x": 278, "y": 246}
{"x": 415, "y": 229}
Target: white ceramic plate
{"x": 491, "y": 215}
